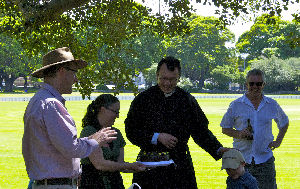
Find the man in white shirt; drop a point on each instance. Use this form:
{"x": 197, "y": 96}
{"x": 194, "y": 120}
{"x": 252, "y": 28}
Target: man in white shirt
{"x": 249, "y": 121}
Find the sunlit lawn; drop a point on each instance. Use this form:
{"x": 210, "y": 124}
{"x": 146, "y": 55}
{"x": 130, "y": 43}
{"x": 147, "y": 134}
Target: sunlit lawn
{"x": 208, "y": 173}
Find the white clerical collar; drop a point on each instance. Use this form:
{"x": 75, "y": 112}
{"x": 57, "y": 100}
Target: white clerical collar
{"x": 169, "y": 94}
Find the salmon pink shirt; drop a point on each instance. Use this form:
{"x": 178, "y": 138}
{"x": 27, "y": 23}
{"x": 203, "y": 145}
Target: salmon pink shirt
{"x": 50, "y": 145}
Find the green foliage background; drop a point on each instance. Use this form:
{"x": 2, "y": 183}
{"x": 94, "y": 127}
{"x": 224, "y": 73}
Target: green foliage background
{"x": 121, "y": 38}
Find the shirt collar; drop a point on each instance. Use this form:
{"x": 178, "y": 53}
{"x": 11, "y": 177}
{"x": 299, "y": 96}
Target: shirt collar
{"x": 54, "y": 92}
{"x": 264, "y": 100}
{"x": 169, "y": 94}
{"x": 267, "y": 100}
{"x": 244, "y": 99}
{"x": 165, "y": 94}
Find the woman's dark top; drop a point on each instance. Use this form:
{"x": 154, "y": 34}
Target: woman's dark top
{"x": 93, "y": 178}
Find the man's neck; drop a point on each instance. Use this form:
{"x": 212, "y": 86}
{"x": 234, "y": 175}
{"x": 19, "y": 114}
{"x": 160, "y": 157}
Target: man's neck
{"x": 53, "y": 83}
{"x": 255, "y": 100}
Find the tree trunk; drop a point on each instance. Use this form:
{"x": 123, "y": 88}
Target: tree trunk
{"x": 200, "y": 83}
{"x": 25, "y": 83}
{"x": 1, "y": 79}
{"x": 9, "y": 82}
{"x": 202, "y": 78}
{"x": 1, "y": 86}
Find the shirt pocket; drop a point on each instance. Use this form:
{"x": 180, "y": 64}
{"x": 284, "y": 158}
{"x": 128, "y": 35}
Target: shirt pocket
{"x": 266, "y": 118}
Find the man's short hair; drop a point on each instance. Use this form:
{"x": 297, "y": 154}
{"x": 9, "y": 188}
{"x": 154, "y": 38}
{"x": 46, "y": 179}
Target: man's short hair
{"x": 257, "y": 72}
{"x": 171, "y": 63}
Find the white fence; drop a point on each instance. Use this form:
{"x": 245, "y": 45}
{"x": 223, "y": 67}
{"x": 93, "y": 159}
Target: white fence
{"x": 78, "y": 98}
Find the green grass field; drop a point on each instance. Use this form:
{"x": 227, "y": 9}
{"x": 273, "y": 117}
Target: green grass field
{"x": 208, "y": 173}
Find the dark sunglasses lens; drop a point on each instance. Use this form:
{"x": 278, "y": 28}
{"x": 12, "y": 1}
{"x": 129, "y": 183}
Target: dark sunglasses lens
{"x": 256, "y": 83}
{"x": 259, "y": 84}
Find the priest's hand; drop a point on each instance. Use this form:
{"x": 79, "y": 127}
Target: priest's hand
{"x": 167, "y": 140}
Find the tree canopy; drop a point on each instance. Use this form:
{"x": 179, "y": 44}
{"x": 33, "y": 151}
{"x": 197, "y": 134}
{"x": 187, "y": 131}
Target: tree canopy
{"x": 93, "y": 28}
{"x": 14, "y": 61}
{"x": 266, "y": 39}
{"x": 202, "y": 49}
{"x": 281, "y": 75}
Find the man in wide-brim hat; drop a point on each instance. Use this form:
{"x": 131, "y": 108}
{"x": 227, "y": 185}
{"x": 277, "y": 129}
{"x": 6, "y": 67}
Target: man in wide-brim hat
{"x": 56, "y": 59}
{"x": 59, "y": 57}
{"x": 50, "y": 146}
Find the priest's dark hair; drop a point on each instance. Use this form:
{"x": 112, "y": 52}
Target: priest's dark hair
{"x": 171, "y": 63}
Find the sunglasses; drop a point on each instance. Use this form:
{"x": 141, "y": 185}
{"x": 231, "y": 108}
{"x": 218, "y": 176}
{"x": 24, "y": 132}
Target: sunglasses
{"x": 115, "y": 111}
{"x": 259, "y": 84}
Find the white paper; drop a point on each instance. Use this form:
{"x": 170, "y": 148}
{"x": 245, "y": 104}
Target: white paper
{"x": 134, "y": 184}
{"x": 157, "y": 163}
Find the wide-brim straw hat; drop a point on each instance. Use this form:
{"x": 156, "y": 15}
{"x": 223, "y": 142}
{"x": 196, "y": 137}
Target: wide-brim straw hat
{"x": 59, "y": 56}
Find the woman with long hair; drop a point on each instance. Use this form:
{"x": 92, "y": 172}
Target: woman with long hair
{"x": 101, "y": 113}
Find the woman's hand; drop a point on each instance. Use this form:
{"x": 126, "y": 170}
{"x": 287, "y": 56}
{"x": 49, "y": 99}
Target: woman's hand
{"x": 135, "y": 167}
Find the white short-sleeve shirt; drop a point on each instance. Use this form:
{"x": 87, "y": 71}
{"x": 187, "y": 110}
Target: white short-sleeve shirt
{"x": 239, "y": 111}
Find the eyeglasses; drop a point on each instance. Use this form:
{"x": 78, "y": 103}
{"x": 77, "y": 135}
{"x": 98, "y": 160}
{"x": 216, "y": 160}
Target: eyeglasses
{"x": 115, "y": 111}
{"x": 171, "y": 80}
{"x": 70, "y": 69}
{"x": 259, "y": 84}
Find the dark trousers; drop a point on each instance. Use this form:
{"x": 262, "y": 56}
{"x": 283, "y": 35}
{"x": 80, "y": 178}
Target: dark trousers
{"x": 264, "y": 173}
{"x": 91, "y": 178}
{"x": 170, "y": 177}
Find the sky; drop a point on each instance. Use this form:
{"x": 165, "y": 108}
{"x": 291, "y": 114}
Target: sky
{"x": 239, "y": 26}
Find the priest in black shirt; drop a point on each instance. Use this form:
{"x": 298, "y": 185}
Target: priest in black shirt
{"x": 162, "y": 119}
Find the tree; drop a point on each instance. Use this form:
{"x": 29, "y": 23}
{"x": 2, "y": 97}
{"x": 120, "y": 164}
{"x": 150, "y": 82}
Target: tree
{"x": 229, "y": 10}
{"x": 150, "y": 75}
{"x": 222, "y": 76}
{"x": 89, "y": 25}
{"x": 202, "y": 49}
{"x": 146, "y": 49}
{"x": 36, "y": 12}
{"x": 14, "y": 62}
{"x": 266, "y": 40}
{"x": 295, "y": 65}
{"x": 99, "y": 25}
{"x": 281, "y": 75}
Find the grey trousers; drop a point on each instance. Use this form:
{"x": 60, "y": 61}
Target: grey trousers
{"x": 264, "y": 173}
{"x": 34, "y": 186}
{"x": 46, "y": 186}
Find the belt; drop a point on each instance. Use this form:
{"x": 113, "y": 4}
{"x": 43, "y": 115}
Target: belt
{"x": 57, "y": 181}
{"x": 253, "y": 162}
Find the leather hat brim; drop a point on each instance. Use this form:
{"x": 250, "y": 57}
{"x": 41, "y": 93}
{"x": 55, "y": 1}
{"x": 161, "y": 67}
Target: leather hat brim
{"x": 77, "y": 64}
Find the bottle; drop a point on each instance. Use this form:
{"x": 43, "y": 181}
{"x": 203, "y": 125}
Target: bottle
{"x": 250, "y": 129}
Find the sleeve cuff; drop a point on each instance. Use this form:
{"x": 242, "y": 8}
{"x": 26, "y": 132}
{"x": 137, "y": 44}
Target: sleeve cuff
{"x": 91, "y": 142}
{"x": 154, "y": 138}
{"x": 219, "y": 151}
